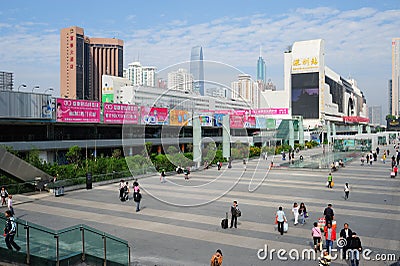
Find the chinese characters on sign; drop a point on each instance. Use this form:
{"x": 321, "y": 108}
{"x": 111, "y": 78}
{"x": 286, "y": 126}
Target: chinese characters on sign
{"x": 79, "y": 111}
{"x": 120, "y": 113}
{"x": 306, "y": 63}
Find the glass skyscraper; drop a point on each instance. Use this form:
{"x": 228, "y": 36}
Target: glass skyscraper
{"x": 197, "y": 69}
{"x": 261, "y": 69}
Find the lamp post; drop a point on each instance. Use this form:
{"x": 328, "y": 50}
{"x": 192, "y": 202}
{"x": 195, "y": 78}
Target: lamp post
{"x": 49, "y": 89}
{"x": 36, "y": 87}
{"x": 22, "y": 85}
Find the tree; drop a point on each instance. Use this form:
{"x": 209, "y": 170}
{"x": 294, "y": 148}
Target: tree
{"x": 117, "y": 153}
{"x": 74, "y": 155}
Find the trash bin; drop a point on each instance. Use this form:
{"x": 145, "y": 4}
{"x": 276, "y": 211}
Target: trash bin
{"x": 88, "y": 180}
{"x": 59, "y": 191}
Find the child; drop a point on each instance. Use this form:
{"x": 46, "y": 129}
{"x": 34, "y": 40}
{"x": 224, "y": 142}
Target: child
{"x": 295, "y": 211}
{"x": 10, "y": 205}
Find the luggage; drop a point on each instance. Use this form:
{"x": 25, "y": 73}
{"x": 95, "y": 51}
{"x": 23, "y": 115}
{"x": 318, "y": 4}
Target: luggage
{"x": 327, "y": 183}
{"x": 321, "y": 222}
{"x": 392, "y": 174}
{"x": 285, "y": 227}
{"x": 224, "y": 222}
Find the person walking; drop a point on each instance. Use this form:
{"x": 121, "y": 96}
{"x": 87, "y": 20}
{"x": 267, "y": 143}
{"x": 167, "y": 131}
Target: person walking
{"x": 330, "y": 179}
{"x": 137, "y": 197}
{"x": 234, "y": 214}
{"x": 355, "y": 248}
{"x": 4, "y": 196}
{"x": 384, "y": 158}
{"x": 345, "y": 234}
{"x": 316, "y": 235}
{"x": 10, "y": 204}
{"x": 329, "y": 214}
{"x": 10, "y": 230}
{"x": 325, "y": 259}
{"x": 135, "y": 186}
{"x": 330, "y": 236}
{"x": 295, "y": 211}
{"x": 302, "y": 213}
{"x": 281, "y": 219}
{"x": 162, "y": 177}
{"x": 346, "y": 191}
{"x": 217, "y": 258}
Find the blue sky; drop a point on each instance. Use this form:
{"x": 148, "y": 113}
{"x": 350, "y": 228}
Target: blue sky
{"x": 357, "y": 35}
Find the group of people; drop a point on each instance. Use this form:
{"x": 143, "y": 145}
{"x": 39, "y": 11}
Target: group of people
{"x": 10, "y": 228}
{"x": 124, "y": 192}
{"x": 330, "y": 184}
{"x": 179, "y": 170}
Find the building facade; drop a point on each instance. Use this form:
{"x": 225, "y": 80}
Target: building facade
{"x": 6, "y": 80}
{"x": 180, "y": 80}
{"x": 394, "y": 110}
{"x": 261, "y": 70}
{"x": 316, "y": 92}
{"x": 375, "y": 115}
{"x": 84, "y": 60}
{"x": 390, "y": 96}
{"x": 246, "y": 89}
{"x": 141, "y": 75}
{"x": 197, "y": 69}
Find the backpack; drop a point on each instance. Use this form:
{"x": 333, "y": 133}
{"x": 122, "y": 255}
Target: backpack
{"x": 137, "y": 196}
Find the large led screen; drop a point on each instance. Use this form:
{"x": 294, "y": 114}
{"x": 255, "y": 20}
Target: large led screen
{"x": 305, "y": 95}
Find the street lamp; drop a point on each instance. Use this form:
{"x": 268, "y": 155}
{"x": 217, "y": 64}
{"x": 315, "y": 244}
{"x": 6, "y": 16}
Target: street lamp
{"x": 22, "y": 85}
{"x": 49, "y": 89}
{"x": 36, "y": 87}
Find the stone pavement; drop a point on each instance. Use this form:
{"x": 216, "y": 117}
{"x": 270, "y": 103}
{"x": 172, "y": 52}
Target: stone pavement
{"x": 170, "y": 230}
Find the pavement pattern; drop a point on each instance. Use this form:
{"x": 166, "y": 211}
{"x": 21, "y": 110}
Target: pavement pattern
{"x": 169, "y": 230}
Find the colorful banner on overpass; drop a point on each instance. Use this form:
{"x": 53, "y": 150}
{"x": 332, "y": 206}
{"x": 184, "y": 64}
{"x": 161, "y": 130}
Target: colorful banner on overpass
{"x": 154, "y": 116}
{"x": 178, "y": 117}
{"x": 115, "y": 113}
{"x": 78, "y": 111}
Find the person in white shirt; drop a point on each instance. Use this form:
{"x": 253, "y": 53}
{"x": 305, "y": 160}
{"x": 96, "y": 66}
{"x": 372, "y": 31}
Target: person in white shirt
{"x": 295, "y": 211}
{"x": 281, "y": 219}
{"x": 10, "y": 204}
{"x": 346, "y": 191}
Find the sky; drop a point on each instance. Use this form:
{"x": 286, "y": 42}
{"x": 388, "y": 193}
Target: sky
{"x": 357, "y": 35}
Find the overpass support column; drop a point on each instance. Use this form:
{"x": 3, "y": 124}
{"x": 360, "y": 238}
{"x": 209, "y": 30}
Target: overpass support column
{"x": 291, "y": 134}
{"x": 301, "y": 132}
{"x": 196, "y": 141}
{"x": 226, "y": 137}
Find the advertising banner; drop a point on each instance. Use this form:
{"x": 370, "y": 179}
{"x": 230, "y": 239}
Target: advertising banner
{"x": 271, "y": 123}
{"x": 178, "y": 117}
{"x": 261, "y": 111}
{"x": 249, "y": 121}
{"x": 261, "y": 122}
{"x": 218, "y": 119}
{"x": 114, "y": 113}
{"x": 154, "y": 116}
{"x": 206, "y": 121}
{"x": 78, "y": 111}
{"x": 236, "y": 121}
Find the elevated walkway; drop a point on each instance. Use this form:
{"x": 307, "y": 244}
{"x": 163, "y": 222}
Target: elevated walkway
{"x": 19, "y": 169}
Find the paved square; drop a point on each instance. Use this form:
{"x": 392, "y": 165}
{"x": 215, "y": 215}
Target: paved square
{"x": 163, "y": 233}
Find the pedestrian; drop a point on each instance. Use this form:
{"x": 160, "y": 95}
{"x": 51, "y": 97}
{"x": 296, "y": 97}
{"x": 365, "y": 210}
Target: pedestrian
{"x": 388, "y": 152}
{"x": 137, "y": 197}
{"x": 330, "y": 236}
{"x": 135, "y": 186}
{"x": 10, "y": 230}
{"x": 330, "y": 179}
{"x": 329, "y": 214}
{"x": 295, "y": 211}
{"x": 345, "y": 234}
{"x": 281, "y": 219}
{"x": 355, "y": 249}
{"x": 393, "y": 161}
{"x": 367, "y": 157}
{"x": 187, "y": 172}
{"x": 384, "y": 158}
{"x": 303, "y": 213}
{"x": 395, "y": 170}
{"x": 325, "y": 259}
{"x": 162, "y": 176}
{"x": 4, "y": 196}
{"x": 377, "y": 150}
{"x": 362, "y": 160}
{"x": 234, "y": 214}
{"x": 219, "y": 168}
{"x": 346, "y": 191}
{"x": 126, "y": 191}
{"x": 316, "y": 235}
{"x": 10, "y": 204}
{"x": 370, "y": 158}
{"x": 217, "y": 258}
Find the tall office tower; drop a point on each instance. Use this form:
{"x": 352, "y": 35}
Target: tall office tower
{"x": 375, "y": 114}
{"x": 180, "y": 80}
{"x": 390, "y": 95}
{"x": 84, "y": 60}
{"x": 197, "y": 69}
{"x": 261, "y": 69}
{"x": 149, "y": 76}
{"x": 246, "y": 89}
{"x": 6, "y": 80}
{"x": 395, "y": 75}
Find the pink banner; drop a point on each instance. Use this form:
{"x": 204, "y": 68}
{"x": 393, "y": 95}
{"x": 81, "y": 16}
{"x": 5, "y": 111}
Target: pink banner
{"x": 79, "y": 111}
{"x": 249, "y": 121}
{"x": 114, "y": 113}
{"x": 154, "y": 116}
{"x": 236, "y": 121}
{"x": 262, "y": 111}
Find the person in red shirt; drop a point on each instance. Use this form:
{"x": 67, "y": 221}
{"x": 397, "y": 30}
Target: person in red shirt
{"x": 395, "y": 170}
{"x": 330, "y": 237}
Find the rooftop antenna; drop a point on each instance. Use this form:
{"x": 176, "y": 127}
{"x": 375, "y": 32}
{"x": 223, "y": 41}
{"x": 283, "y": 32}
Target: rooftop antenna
{"x": 260, "y": 50}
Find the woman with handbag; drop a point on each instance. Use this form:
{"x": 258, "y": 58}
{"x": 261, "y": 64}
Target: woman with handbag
{"x": 303, "y": 213}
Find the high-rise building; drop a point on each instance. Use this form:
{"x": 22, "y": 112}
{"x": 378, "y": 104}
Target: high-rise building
{"x": 6, "y": 80}
{"x": 390, "y": 95}
{"x": 395, "y": 75}
{"x": 246, "y": 89}
{"x": 197, "y": 69}
{"x": 84, "y": 60}
{"x": 261, "y": 69}
{"x": 375, "y": 114}
{"x": 180, "y": 80}
{"x": 141, "y": 75}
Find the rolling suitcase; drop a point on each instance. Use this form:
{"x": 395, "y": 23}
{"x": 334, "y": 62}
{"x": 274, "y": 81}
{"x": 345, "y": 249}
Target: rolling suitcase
{"x": 224, "y": 222}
